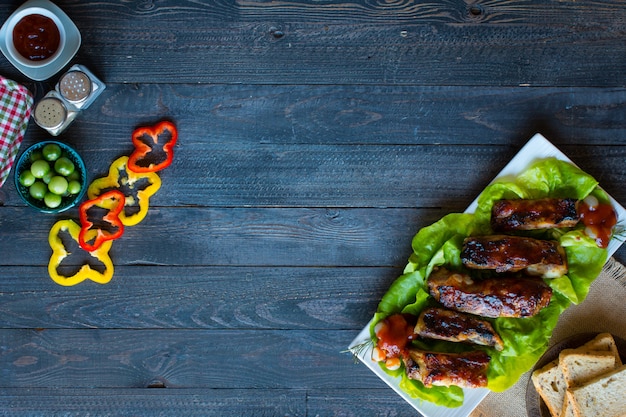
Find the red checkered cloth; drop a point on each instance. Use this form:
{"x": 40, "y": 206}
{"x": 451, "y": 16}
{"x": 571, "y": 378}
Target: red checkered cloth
{"x": 16, "y": 103}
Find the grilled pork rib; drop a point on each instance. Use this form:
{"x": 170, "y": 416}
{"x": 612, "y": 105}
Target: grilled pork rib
{"x": 466, "y": 370}
{"x": 546, "y": 213}
{"x": 504, "y": 253}
{"x": 491, "y": 297}
{"x": 453, "y": 326}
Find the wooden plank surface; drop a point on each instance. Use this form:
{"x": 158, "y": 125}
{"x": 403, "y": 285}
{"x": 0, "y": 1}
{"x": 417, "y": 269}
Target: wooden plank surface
{"x": 167, "y": 297}
{"x": 153, "y": 402}
{"x": 181, "y": 358}
{"x": 315, "y": 140}
{"x": 204, "y": 402}
{"x": 276, "y": 150}
{"x": 253, "y": 116}
{"x": 514, "y": 42}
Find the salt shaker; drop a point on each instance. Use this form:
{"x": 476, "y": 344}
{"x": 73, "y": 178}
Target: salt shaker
{"x": 53, "y": 113}
{"x": 76, "y": 90}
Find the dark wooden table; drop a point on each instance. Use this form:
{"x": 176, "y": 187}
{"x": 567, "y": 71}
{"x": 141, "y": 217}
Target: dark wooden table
{"x": 315, "y": 139}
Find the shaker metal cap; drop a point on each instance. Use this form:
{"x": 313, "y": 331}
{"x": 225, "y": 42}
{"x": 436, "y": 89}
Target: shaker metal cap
{"x": 50, "y": 113}
{"x": 75, "y": 86}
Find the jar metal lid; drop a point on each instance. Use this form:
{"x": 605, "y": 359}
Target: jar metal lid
{"x": 75, "y": 86}
{"x": 50, "y": 113}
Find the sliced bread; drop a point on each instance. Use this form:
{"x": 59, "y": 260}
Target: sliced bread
{"x": 604, "y": 396}
{"x": 567, "y": 410}
{"x": 573, "y": 368}
{"x": 550, "y": 385}
{"x": 579, "y": 366}
{"x": 604, "y": 341}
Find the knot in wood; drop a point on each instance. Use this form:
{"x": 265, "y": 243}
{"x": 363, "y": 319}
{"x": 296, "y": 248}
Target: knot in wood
{"x": 475, "y": 11}
{"x": 146, "y": 5}
{"x": 277, "y": 33}
{"x": 157, "y": 384}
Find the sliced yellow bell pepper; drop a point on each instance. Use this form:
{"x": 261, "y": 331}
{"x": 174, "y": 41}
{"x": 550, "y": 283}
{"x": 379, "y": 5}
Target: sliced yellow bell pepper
{"x": 137, "y": 188}
{"x": 60, "y": 252}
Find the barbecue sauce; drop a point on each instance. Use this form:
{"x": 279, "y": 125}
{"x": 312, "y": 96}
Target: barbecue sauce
{"x": 36, "y": 37}
{"x": 599, "y": 221}
{"x": 394, "y": 334}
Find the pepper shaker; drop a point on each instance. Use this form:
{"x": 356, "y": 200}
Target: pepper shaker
{"x": 75, "y": 91}
{"x": 79, "y": 86}
{"x": 75, "y": 86}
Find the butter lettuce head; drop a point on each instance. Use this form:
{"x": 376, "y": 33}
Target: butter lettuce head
{"x": 525, "y": 339}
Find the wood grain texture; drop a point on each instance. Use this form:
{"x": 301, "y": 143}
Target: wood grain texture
{"x": 152, "y": 402}
{"x": 253, "y": 116}
{"x": 319, "y": 146}
{"x": 402, "y": 176}
{"x": 370, "y": 176}
{"x": 180, "y": 358}
{"x": 355, "y": 403}
{"x": 316, "y": 138}
{"x": 238, "y": 236}
{"x": 203, "y": 402}
{"x": 163, "y": 297}
{"x": 442, "y": 43}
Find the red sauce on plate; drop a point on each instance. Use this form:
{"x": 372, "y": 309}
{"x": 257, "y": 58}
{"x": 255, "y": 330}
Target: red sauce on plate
{"x": 394, "y": 334}
{"x": 36, "y": 37}
{"x": 599, "y": 221}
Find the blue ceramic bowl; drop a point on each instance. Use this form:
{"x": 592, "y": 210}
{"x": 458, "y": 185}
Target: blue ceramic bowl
{"x": 24, "y": 162}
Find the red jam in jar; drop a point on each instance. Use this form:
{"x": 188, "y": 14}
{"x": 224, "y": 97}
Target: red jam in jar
{"x": 36, "y": 37}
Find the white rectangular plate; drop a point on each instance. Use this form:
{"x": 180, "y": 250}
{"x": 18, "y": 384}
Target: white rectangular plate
{"x": 538, "y": 147}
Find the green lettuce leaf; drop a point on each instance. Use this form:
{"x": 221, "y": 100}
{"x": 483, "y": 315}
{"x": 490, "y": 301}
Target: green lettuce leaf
{"x": 431, "y": 240}
{"x": 554, "y": 178}
{"x": 525, "y": 339}
{"x": 452, "y": 396}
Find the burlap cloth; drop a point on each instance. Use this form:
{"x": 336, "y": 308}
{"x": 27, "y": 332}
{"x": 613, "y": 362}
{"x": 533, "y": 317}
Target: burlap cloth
{"x": 603, "y": 310}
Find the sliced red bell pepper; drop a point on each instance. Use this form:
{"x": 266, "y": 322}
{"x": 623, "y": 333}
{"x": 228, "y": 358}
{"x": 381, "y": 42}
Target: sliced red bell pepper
{"x": 112, "y": 203}
{"x": 154, "y": 147}
{"x": 137, "y": 187}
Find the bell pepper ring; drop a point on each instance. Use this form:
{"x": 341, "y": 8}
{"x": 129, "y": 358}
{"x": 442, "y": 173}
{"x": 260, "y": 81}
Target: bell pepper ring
{"x": 137, "y": 188}
{"x": 60, "y": 252}
{"x": 108, "y": 226}
{"x": 154, "y": 147}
